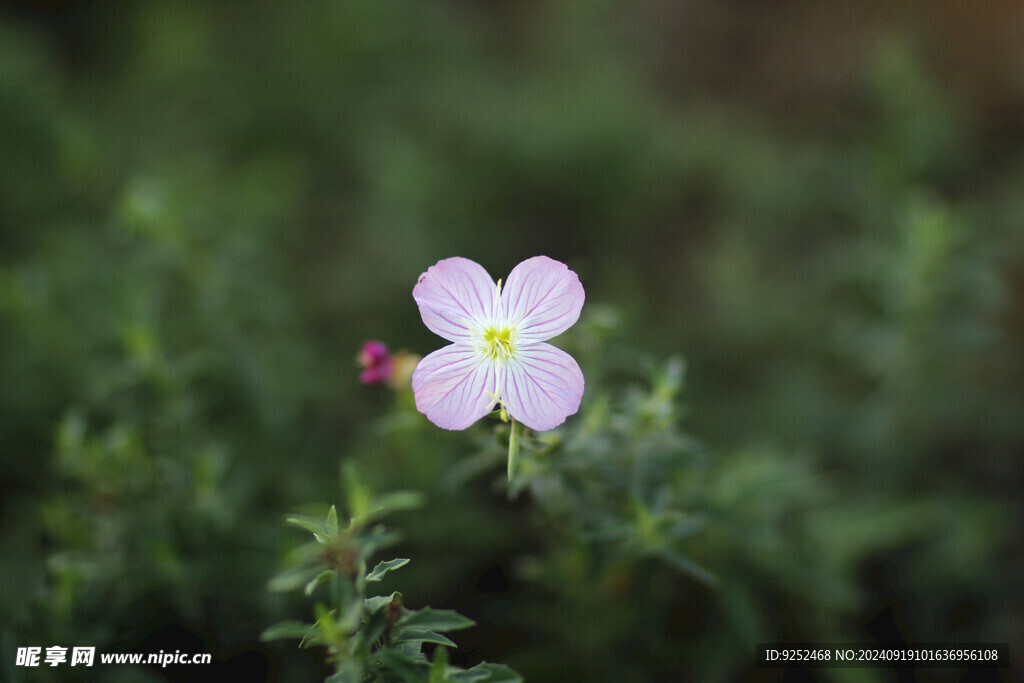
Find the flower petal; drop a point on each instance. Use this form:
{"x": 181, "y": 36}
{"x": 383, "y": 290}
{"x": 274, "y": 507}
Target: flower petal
{"x": 542, "y": 298}
{"x": 542, "y": 386}
{"x": 455, "y": 386}
{"x": 454, "y": 293}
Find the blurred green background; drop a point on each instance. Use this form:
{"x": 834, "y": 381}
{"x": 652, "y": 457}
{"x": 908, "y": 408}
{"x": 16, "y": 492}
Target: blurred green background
{"x": 205, "y": 209}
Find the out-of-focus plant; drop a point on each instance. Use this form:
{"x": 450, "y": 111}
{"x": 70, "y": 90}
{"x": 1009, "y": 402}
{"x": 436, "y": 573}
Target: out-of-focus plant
{"x": 369, "y": 637}
{"x": 200, "y": 209}
{"x": 642, "y": 522}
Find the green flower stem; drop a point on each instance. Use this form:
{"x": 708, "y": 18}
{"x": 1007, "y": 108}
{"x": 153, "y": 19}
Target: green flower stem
{"x": 513, "y": 447}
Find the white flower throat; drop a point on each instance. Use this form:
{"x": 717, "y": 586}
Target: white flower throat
{"x": 497, "y": 341}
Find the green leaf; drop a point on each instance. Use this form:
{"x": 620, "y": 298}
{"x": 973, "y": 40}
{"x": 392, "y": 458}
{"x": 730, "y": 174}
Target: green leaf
{"x": 415, "y": 635}
{"x": 331, "y": 525}
{"x": 290, "y": 579}
{"x": 317, "y": 580}
{"x": 375, "y": 603}
{"x": 404, "y": 667}
{"x": 372, "y": 630}
{"x": 287, "y": 629}
{"x": 391, "y": 502}
{"x": 411, "y": 649}
{"x": 310, "y": 524}
{"x": 384, "y": 567}
{"x": 348, "y": 672}
{"x": 307, "y": 555}
{"x": 688, "y": 566}
{"x": 376, "y": 539}
{"x": 487, "y": 673}
{"x": 357, "y": 493}
{"x": 439, "y": 666}
{"x": 348, "y": 595}
{"x": 435, "y": 620}
{"x": 350, "y": 617}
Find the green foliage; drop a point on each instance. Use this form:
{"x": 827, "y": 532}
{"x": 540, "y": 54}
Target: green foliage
{"x": 369, "y": 638}
{"x": 205, "y": 212}
{"x": 639, "y": 518}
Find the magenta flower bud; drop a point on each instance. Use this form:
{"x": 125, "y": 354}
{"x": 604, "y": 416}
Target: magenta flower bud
{"x": 377, "y": 363}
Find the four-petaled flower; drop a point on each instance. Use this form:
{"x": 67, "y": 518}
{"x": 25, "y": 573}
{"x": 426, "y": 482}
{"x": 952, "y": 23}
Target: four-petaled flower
{"x": 498, "y": 352}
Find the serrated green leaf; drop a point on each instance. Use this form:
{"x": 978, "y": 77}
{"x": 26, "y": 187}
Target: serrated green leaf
{"x": 416, "y": 635}
{"x": 375, "y": 603}
{"x": 286, "y": 629}
{"x": 435, "y": 620}
{"x": 384, "y": 567}
{"x": 318, "y": 579}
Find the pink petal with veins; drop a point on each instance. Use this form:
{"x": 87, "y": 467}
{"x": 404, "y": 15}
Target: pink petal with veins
{"x": 454, "y": 293}
{"x": 542, "y": 386}
{"x": 454, "y": 386}
{"x": 542, "y": 298}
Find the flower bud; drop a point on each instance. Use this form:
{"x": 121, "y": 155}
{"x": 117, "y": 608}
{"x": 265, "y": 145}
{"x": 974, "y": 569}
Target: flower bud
{"x": 376, "y": 362}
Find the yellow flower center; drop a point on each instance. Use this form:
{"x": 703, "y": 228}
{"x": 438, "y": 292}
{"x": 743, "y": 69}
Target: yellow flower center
{"x": 498, "y": 343}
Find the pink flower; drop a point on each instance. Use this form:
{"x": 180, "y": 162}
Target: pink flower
{"x": 498, "y": 354}
{"x": 377, "y": 363}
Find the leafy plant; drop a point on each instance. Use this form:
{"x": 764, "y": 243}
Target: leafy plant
{"x": 369, "y": 637}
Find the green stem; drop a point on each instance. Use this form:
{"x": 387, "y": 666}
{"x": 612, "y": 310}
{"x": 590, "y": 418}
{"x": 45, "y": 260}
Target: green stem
{"x": 513, "y": 448}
